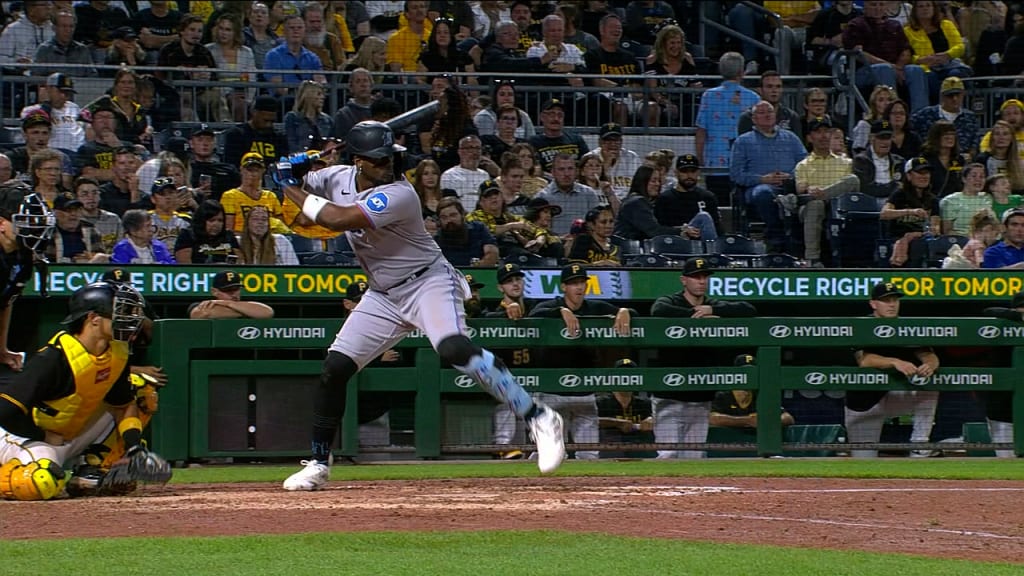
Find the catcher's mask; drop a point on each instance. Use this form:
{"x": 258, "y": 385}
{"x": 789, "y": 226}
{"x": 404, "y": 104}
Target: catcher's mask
{"x": 119, "y": 302}
{"x": 34, "y": 223}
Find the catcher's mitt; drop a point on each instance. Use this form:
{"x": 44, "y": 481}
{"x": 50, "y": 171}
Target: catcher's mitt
{"x": 138, "y": 465}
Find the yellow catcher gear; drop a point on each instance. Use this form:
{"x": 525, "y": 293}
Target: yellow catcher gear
{"x": 38, "y": 480}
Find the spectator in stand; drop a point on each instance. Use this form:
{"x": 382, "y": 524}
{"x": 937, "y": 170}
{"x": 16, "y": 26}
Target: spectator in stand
{"x": 461, "y": 14}
{"x": 6, "y": 172}
{"x": 95, "y": 158}
{"x": 815, "y": 106}
{"x": 914, "y": 209}
{"x": 497, "y": 144}
{"x": 97, "y": 21}
{"x": 117, "y": 195}
{"x": 260, "y": 246}
{"x": 440, "y": 136}
{"x": 998, "y": 187}
{"x": 226, "y": 289}
{"x": 464, "y": 243}
{"x": 307, "y": 126}
{"x": 257, "y": 135}
{"x": 292, "y": 55}
{"x": 20, "y": 39}
{"x": 132, "y": 126}
{"x": 44, "y": 168}
{"x": 210, "y": 176}
{"x": 511, "y": 181}
{"x": 573, "y": 34}
{"x": 559, "y": 58}
{"x": 717, "y": 120}
{"x": 594, "y": 246}
{"x": 669, "y": 65}
{"x": 887, "y": 51}
{"x": 157, "y": 27}
{"x": 503, "y": 93}
{"x": 609, "y": 61}
{"x": 825, "y": 36}
{"x": 935, "y": 44}
{"x": 541, "y": 214}
{"x": 661, "y": 160}
{"x": 643, "y": 18}
{"x": 619, "y": 163}
{"x": 771, "y": 92}
{"x": 983, "y": 232}
{"x": 878, "y": 168}
{"x": 958, "y": 209}
{"x": 905, "y": 142}
{"x": 506, "y": 54}
{"x": 486, "y": 14}
{"x": 36, "y": 128}
{"x": 534, "y": 181}
{"x": 688, "y": 205}
{"x": 189, "y": 53}
{"x": 73, "y": 240}
{"x": 166, "y": 200}
{"x": 878, "y": 103}
{"x": 942, "y": 150}
{"x": 636, "y": 220}
{"x": 334, "y": 23}
{"x": 139, "y": 246}
{"x": 385, "y": 15}
{"x": 327, "y": 46}
{"x": 763, "y": 164}
{"x": 207, "y": 241}
{"x": 405, "y": 45}
{"x": 63, "y": 49}
{"x": 1011, "y": 112}
{"x": 229, "y": 53}
{"x": 574, "y": 198}
{"x": 238, "y": 201}
{"x": 554, "y": 140}
{"x": 1010, "y": 252}
{"x": 124, "y": 50}
{"x": 441, "y": 55}
{"x": 590, "y": 172}
{"x": 259, "y": 35}
{"x": 108, "y": 224}
{"x": 511, "y": 232}
{"x": 950, "y": 109}
{"x": 466, "y": 178}
{"x": 1013, "y": 54}
{"x": 426, "y": 180}
{"x": 357, "y": 109}
{"x": 823, "y": 176}
{"x": 67, "y": 133}
{"x": 1003, "y": 156}
{"x": 372, "y": 55}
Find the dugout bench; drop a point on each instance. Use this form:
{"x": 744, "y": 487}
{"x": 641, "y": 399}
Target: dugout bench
{"x": 275, "y": 363}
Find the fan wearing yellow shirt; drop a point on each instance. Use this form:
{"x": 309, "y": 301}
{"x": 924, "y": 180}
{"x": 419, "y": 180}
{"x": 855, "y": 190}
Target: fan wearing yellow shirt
{"x": 238, "y": 201}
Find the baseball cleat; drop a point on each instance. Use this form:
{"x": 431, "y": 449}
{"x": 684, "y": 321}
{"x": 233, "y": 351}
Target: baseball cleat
{"x": 546, "y": 430}
{"x": 313, "y": 477}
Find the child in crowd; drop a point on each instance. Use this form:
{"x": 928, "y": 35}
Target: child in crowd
{"x": 998, "y": 186}
{"x": 984, "y": 232}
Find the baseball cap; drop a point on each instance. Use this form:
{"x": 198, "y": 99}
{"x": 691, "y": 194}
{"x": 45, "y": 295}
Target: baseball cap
{"x": 36, "y": 116}
{"x": 509, "y": 270}
{"x": 62, "y": 81}
{"x": 356, "y": 290}
{"x": 881, "y": 128}
{"x": 820, "y": 122}
{"x": 449, "y": 193}
{"x": 473, "y": 282}
{"x": 687, "y": 162}
{"x": 227, "y": 280}
{"x": 1018, "y": 300}
{"x": 178, "y": 146}
{"x": 1011, "y": 213}
{"x": 536, "y": 204}
{"x": 952, "y": 85}
{"x": 625, "y": 363}
{"x": 252, "y": 158}
{"x": 488, "y": 187}
{"x": 161, "y": 184}
{"x": 883, "y": 289}
{"x": 124, "y": 33}
{"x": 553, "y": 103}
{"x": 1012, "y": 102}
{"x": 203, "y": 128}
{"x": 65, "y": 202}
{"x": 265, "y": 104}
{"x": 917, "y": 164}
{"x": 611, "y": 130}
{"x": 573, "y": 272}
{"x": 697, "y": 266}
{"x": 744, "y": 360}
{"x": 115, "y": 275}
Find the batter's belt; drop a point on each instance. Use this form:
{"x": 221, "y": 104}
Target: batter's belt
{"x": 410, "y": 278}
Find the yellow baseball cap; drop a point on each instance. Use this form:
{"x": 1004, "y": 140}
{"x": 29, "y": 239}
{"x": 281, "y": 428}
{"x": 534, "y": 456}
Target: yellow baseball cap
{"x": 252, "y": 158}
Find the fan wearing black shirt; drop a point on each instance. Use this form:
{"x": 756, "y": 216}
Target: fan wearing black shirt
{"x": 688, "y": 204}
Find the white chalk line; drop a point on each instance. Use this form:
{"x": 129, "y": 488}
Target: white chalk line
{"x": 842, "y": 490}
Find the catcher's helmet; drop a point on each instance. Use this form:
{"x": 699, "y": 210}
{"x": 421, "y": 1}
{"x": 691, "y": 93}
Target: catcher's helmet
{"x": 34, "y": 222}
{"x": 119, "y": 302}
{"x": 371, "y": 139}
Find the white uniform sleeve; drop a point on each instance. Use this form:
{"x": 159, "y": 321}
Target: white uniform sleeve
{"x": 389, "y": 204}
{"x": 314, "y": 183}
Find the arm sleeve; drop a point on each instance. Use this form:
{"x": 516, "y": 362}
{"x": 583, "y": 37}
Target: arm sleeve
{"x": 664, "y": 306}
{"x": 120, "y": 393}
{"x": 738, "y": 164}
{"x": 1005, "y": 313}
{"x": 42, "y": 378}
{"x": 734, "y": 309}
{"x": 548, "y": 309}
{"x": 956, "y": 42}
{"x": 641, "y": 217}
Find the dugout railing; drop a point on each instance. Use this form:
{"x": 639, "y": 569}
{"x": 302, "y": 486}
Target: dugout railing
{"x": 249, "y": 383}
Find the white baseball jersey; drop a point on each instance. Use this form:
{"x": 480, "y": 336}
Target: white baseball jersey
{"x": 397, "y": 246}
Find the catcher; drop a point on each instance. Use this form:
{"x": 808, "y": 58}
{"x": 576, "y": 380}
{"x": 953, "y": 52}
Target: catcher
{"x": 72, "y": 394}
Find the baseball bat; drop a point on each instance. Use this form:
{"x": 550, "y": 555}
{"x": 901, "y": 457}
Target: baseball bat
{"x": 413, "y": 116}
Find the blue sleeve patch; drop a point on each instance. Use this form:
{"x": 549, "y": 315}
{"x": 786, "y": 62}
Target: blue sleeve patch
{"x": 377, "y": 203}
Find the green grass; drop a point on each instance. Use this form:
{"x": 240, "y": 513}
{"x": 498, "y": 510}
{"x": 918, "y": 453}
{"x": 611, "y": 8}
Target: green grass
{"x": 457, "y": 553}
{"x": 935, "y": 468}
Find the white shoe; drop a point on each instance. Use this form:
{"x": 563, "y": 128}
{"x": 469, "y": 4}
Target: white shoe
{"x": 925, "y": 453}
{"x": 313, "y": 477}
{"x": 546, "y": 430}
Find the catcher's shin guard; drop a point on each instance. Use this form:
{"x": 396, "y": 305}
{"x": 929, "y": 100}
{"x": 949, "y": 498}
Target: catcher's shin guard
{"x": 38, "y": 480}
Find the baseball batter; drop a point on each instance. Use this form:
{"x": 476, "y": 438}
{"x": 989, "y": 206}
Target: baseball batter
{"x": 411, "y": 286}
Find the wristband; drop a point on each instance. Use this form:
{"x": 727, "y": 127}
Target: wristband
{"x": 312, "y": 206}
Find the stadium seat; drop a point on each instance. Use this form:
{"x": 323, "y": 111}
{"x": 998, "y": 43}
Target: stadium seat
{"x": 530, "y": 260}
{"x": 627, "y": 246}
{"x": 302, "y": 244}
{"x": 674, "y": 247}
{"x": 648, "y": 261}
{"x": 778, "y": 261}
{"x": 327, "y": 259}
{"x": 853, "y": 229}
{"x": 938, "y": 248}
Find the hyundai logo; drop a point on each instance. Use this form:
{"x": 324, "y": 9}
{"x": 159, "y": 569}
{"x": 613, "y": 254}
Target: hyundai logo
{"x": 918, "y": 380}
{"x": 885, "y": 331}
{"x": 470, "y": 332}
{"x": 249, "y": 333}
{"x": 779, "y": 331}
{"x": 673, "y": 380}
{"x": 569, "y": 381}
{"x": 989, "y": 332}
{"x": 675, "y": 332}
{"x": 815, "y": 378}
{"x": 464, "y": 381}
{"x": 568, "y": 336}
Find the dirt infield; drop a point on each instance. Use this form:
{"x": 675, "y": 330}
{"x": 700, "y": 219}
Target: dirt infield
{"x": 977, "y": 520}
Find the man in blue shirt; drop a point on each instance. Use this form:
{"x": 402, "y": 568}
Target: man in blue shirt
{"x": 763, "y": 162}
{"x": 1010, "y": 252}
{"x": 292, "y": 55}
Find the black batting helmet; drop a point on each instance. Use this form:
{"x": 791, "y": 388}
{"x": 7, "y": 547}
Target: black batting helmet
{"x": 119, "y": 302}
{"x": 372, "y": 139}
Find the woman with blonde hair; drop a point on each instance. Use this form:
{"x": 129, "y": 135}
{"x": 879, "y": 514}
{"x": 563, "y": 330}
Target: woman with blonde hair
{"x": 878, "y": 102}
{"x": 260, "y": 246}
{"x": 668, "y": 65}
{"x": 373, "y": 56}
{"x": 1003, "y": 156}
{"x": 935, "y": 44}
{"x": 230, "y": 53}
{"x": 534, "y": 180}
{"x": 306, "y": 125}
